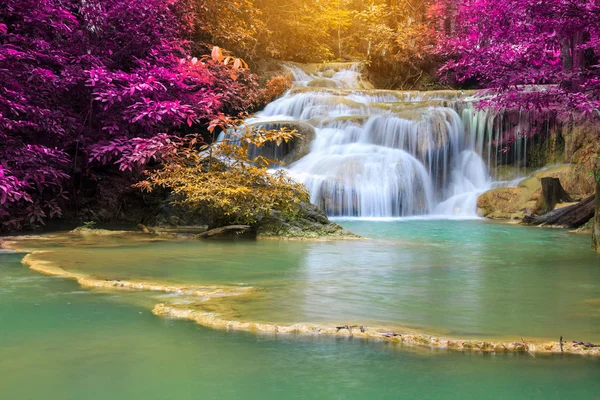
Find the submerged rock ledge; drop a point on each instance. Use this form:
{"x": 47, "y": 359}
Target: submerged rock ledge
{"x": 205, "y": 293}
{"x": 534, "y": 346}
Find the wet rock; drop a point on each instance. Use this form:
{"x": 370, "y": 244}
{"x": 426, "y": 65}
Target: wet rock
{"x": 323, "y": 83}
{"x": 502, "y": 203}
{"x": 587, "y": 228}
{"x": 311, "y": 223}
{"x": 291, "y": 151}
{"x": 328, "y": 74}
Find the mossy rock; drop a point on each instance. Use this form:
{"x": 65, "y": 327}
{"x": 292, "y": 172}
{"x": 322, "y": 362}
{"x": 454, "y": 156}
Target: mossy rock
{"x": 340, "y": 100}
{"x": 311, "y": 223}
{"x": 322, "y": 83}
{"x": 586, "y": 229}
{"x": 328, "y": 74}
{"x": 351, "y": 119}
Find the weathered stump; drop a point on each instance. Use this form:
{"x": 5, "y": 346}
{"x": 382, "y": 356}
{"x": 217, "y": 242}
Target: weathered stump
{"x": 552, "y": 194}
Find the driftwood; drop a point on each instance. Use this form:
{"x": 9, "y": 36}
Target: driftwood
{"x": 586, "y": 344}
{"x": 223, "y": 230}
{"x": 390, "y": 334}
{"x": 552, "y": 194}
{"x": 350, "y": 327}
{"x": 568, "y": 217}
{"x": 527, "y": 348}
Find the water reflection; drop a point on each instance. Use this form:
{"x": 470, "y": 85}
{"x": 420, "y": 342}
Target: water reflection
{"x": 453, "y": 277}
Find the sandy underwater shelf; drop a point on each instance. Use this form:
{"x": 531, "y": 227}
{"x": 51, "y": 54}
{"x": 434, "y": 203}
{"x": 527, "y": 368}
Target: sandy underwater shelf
{"x": 210, "y": 306}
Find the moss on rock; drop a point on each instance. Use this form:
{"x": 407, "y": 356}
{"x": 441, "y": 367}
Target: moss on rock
{"x": 311, "y": 223}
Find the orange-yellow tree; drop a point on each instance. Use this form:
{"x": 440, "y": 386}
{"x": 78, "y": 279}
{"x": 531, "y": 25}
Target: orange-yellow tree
{"x": 223, "y": 183}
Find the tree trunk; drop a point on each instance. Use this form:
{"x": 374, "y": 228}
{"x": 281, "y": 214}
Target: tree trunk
{"x": 596, "y": 229}
{"x": 340, "y": 43}
{"x": 552, "y": 194}
{"x": 577, "y": 53}
{"x": 569, "y": 217}
{"x": 565, "y": 54}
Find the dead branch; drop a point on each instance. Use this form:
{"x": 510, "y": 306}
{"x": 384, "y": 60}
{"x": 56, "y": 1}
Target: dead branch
{"x": 527, "y": 348}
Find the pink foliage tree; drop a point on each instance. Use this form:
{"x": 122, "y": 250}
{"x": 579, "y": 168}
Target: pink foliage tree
{"x": 97, "y": 82}
{"x": 534, "y": 54}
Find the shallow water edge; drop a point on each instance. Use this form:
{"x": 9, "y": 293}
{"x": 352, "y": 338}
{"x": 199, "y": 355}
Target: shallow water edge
{"x": 218, "y": 294}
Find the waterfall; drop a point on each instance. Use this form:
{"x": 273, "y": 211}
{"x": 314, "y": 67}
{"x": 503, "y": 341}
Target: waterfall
{"x": 380, "y": 153}
{"x": 487, "y": 130}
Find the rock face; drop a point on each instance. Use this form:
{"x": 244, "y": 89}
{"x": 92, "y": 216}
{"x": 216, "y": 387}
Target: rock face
{"x": 291, "y": 151}
{"x": 312, "y": 223}
{"x": 514, "y": 203}
{"x": 504, "y": 203}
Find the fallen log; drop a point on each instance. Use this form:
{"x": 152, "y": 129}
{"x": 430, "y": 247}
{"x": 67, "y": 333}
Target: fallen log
{"x": 568, "y": 217}
{"x": 552, "y": 194}
{"x": 585, "y": 344}
{"x": 223, "y": 230}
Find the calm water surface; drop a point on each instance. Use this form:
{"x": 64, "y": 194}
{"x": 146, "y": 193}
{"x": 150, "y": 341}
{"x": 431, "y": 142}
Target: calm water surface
{"x": 58, "y": 341}
{"x": 462, "y": 278}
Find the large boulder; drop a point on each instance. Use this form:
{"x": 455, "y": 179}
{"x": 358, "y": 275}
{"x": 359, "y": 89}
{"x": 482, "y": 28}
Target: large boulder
{"x": 514, "y": 203}
{"x": 503, "y": 203}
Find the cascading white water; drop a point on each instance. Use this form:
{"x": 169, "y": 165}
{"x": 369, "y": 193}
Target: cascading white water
{"x": 386, "y": 153}
{"x": 487, "y": 130}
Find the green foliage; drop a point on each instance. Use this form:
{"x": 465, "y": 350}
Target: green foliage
{"x": 397, "y": 40}
{"x": 223, "y": 183}
{"x": 300, "y": 30}
{"x": 394, "y": 37}
{"x": 86, "y": 226}
{"x": 89, "y": 225}
{"x": 235, "y": 25}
